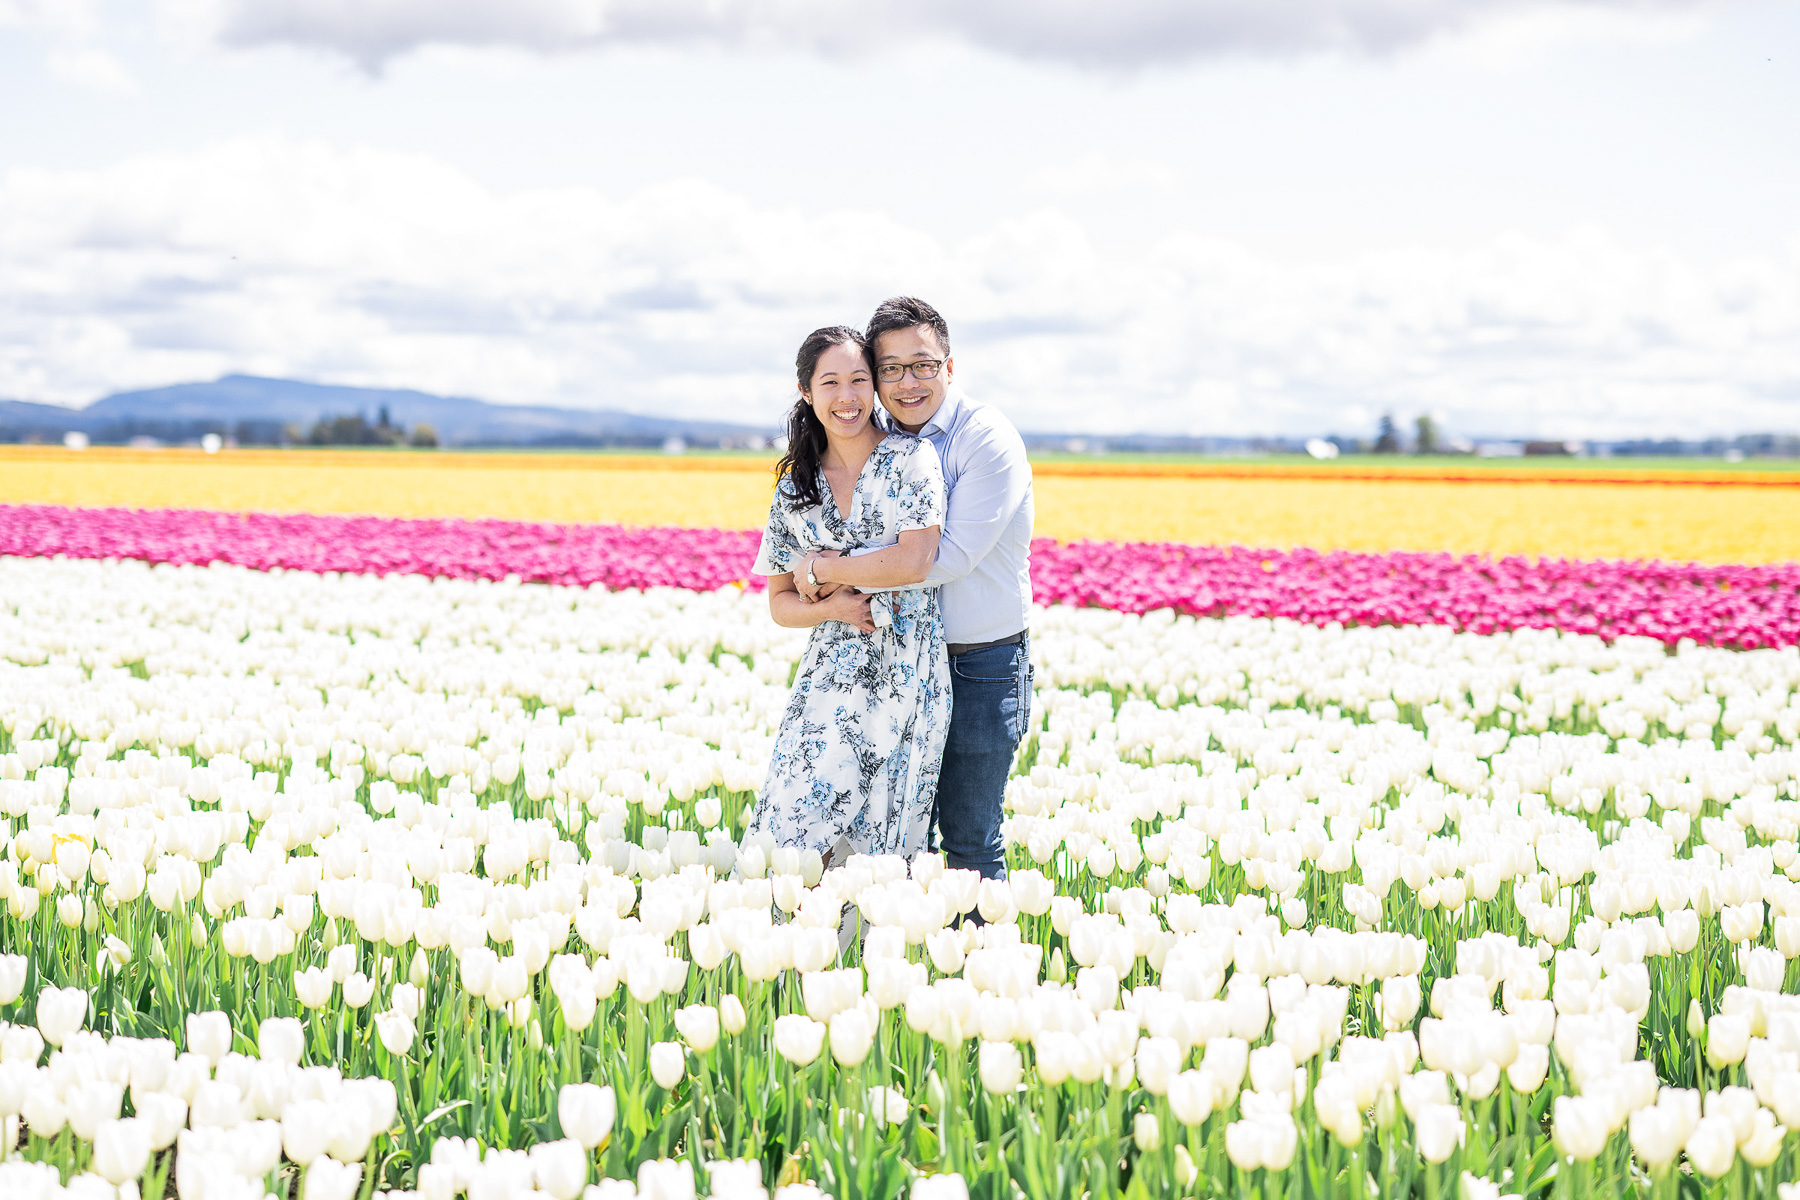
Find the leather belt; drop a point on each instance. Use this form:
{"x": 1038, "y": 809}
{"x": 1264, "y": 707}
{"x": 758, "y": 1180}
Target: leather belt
{"x": 958, "y": 649}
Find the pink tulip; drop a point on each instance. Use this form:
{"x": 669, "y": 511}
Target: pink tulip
{"x": 1740, "y": 606}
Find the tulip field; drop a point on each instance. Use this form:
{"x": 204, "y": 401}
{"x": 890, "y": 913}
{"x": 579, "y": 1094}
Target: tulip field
{"x": 356, "y": 857}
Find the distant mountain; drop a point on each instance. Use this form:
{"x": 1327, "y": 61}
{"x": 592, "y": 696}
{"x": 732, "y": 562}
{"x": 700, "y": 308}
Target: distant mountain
{"x": 258, "y": 409}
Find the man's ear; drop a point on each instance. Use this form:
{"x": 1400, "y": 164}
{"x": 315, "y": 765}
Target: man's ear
{"x": 949, "y": 370}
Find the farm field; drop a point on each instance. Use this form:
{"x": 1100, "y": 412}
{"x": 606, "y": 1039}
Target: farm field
{"x": 345, "y": 860}
{"x": 1707, "y": 514}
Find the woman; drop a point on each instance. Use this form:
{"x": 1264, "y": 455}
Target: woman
{"x": 856, "y": 757}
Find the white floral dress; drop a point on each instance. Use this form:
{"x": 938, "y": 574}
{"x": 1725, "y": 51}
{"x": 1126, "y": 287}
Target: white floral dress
{"x": 859, "y": 746}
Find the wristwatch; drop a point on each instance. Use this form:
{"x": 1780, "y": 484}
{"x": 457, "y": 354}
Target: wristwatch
{"x": 811, "y": 579}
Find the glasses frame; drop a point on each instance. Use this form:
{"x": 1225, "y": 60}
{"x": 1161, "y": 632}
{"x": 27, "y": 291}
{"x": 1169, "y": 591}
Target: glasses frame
{"x": 935, "y": 364}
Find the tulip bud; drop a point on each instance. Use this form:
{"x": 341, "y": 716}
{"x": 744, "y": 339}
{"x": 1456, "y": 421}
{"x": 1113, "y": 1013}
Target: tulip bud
{"x": 518, "y": 1012}
{"x": 1696, "y": 1019}
{"x": 1186, "y": 1172}
{"x": 707, "y": 811}
{"x": 1147, "y": 1133}
{"x": 668, "y": 1064}
{"x": 888, "y": 1105}
{"x": 1385, "y": 1108}
{"x": 419, "y": 974}
{"x": 732, "y": 1015}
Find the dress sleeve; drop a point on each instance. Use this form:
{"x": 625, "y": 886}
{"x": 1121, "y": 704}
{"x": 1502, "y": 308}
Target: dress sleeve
{"x": 921, "y": 487}
{"x": 781, "y": 548}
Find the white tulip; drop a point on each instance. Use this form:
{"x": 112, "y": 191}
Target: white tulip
{"x": 949, "y": 1186}
{"x": 852, "y": 1034}
{"x": 1727, "y": 1039}
{"x": 798, "y": 1039}
{"x": 91, "y": 1104}
{"x": 60, "y": 1012}
{"x": 698, "y": 1025}
{"x": 560, "y": 1168}
{"x": 327, "y": 1179}
{"x": 121, "y": 1149}
{"x": 281, "y": 1039}
{"x": 1712, "y": 1147}
{"x": 668, "y": 1064}
{"x": 665, "y": 1179}
{"x": 586, "y": 1112}
{"x": 1000, "y": 1067}
{"x": 13, "y": 969}
{"x": 209, "y": 1035}
{"x": 312, "y": 987}
{"x": 396, "y": 1031}
{"x": 731, "y": 1014}
{"x": 359, "y": 989}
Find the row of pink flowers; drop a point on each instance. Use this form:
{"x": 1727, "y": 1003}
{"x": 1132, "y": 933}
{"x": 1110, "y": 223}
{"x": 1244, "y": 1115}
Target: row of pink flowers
{"x": 1747, "y": 606}
{"x": 1741, "y": 606}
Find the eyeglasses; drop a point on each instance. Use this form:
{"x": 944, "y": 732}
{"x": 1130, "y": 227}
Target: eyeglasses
{"x": 925, "y": 368}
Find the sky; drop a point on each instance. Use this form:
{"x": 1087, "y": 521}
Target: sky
{"x": 1526, "y": 218}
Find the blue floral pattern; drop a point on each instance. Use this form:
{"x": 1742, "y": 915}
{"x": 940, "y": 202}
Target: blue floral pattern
{"x": 859, "y": 746}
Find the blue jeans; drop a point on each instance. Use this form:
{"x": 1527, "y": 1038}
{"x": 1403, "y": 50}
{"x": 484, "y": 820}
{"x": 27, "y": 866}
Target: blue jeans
{"x": 991, "y": 704}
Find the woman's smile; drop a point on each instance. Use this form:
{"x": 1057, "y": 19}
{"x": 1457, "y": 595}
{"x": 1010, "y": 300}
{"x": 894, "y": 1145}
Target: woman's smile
{"x": 842, "y": 391}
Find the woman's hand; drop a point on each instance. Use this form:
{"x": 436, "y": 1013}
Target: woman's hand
{"x": 851, "y": 607}
{"x": 792, "y": 611}
{"x": 807, "y": 592}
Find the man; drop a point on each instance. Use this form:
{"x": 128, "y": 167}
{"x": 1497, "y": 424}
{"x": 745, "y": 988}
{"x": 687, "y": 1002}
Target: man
{"x": 983, "y": 565}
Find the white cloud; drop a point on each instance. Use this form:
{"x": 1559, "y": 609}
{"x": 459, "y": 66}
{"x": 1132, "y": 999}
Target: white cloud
{"x": 93, "y": 69}
{"x": 1121, "y": 35}
{"x": 68, "y": 18}
{"x": 369, "y": 267}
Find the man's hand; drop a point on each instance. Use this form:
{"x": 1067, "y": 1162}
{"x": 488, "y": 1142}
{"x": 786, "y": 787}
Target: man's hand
{"x": 852, "y": 608}
{"x": 809, "y": 593}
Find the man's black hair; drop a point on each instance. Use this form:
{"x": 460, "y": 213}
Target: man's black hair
{"x": 905, "y": 312}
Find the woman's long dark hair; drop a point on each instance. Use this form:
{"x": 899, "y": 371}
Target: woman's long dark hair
{"x": 799, "y": 464}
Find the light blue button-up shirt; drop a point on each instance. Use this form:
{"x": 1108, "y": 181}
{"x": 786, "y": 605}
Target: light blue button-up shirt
{"x": 984, "y": 552}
